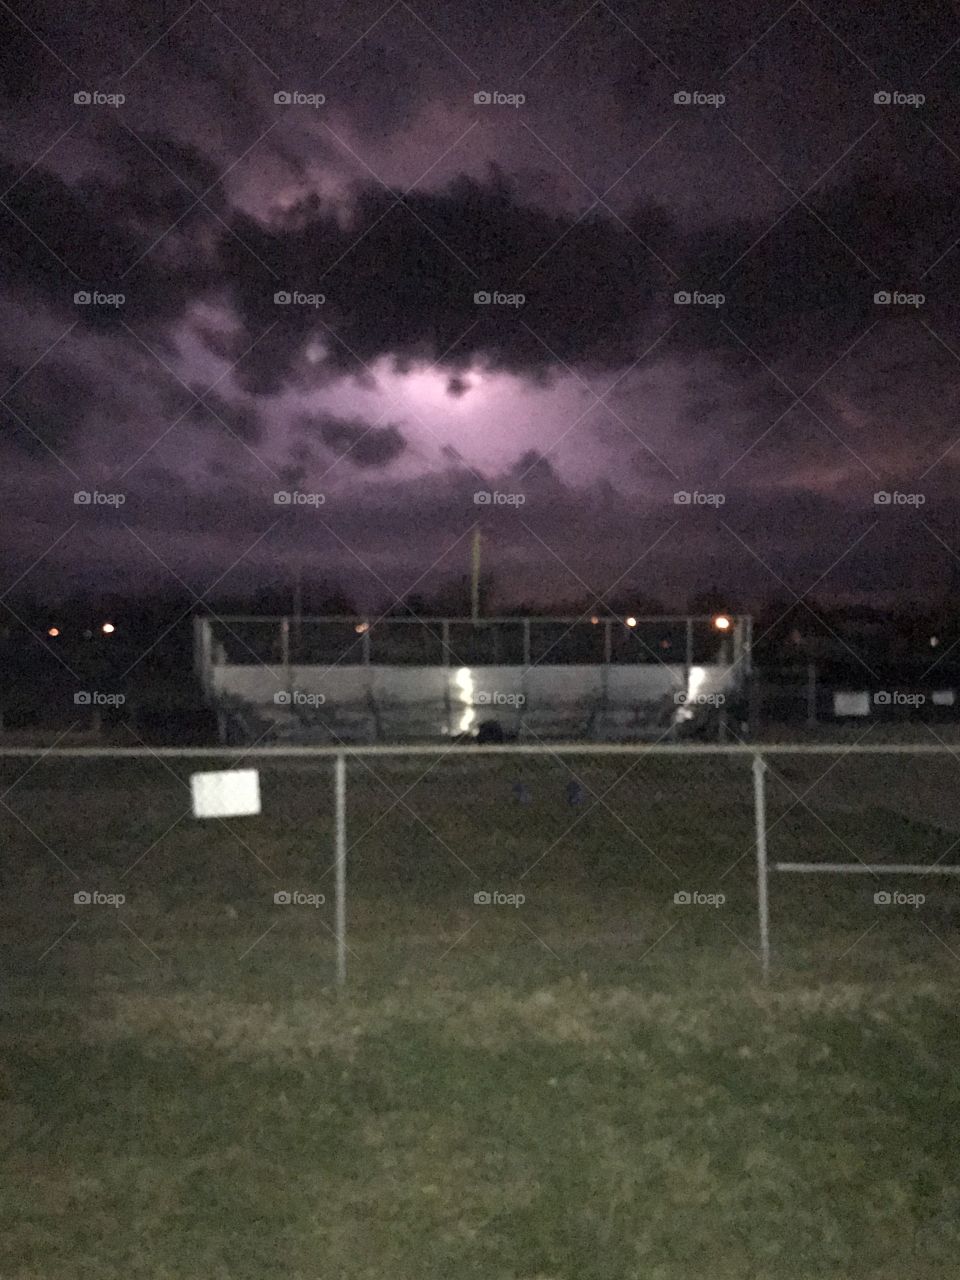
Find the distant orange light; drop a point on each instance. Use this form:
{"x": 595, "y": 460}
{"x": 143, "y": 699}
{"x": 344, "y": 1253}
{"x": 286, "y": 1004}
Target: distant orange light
{"x": 594, "y": 619}
{"x": 722, "y": 622}
{"x": 53, "y": 631}
{"x": 631, "y": 622}
{"x": 361, "y": 628}
{"x": 108, "y": 628}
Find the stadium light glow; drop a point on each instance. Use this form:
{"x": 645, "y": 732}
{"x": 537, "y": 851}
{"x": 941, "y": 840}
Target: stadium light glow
{"x": 722, "y": 623}
{"x": 631, "y": 622}
{"x": 53, "y": 631}
{"x": 464, "y": 682}
{"x": 108, "y": 628}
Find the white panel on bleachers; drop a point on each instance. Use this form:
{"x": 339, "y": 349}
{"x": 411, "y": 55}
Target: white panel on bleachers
{"x": 253, "y": 683}
{"x": 645, "y": 683}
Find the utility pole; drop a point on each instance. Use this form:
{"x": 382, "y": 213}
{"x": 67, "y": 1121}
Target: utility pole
{"x": 298, "y": 602}
{"x": 475, "y": 576}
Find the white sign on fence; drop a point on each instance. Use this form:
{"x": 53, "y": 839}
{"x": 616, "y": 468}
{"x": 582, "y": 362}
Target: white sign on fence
{"x": 228, "y": 793}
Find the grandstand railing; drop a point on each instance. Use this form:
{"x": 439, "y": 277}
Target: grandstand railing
{"x": 459, "y": 641}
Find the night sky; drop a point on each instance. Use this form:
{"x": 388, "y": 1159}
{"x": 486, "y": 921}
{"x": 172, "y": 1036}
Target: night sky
{"x": 584, "y": 197}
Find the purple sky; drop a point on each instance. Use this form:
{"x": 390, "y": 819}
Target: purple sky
{"x": 596, "y": 400}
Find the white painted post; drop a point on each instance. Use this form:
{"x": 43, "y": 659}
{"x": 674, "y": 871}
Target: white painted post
{"x": 763, "y": 901}
{"x": 340, "y": 809}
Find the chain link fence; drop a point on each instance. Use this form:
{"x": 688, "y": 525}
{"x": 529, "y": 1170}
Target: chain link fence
{"x": 484, "y": 864}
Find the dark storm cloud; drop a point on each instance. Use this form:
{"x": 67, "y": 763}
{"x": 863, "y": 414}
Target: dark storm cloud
{"x": 811, "y": 281}
{"x": 361, "y": 443}
{"x": 45, "y": 413}
{"x": 401, "y": 277}
{"x": 400, "y": 273}
{"x": 61, "y": 238}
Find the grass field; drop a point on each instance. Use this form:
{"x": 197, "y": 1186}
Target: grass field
{"x": 593, "y": 1083}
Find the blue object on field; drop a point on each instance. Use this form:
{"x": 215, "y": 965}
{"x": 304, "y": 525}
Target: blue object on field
{"x": 576, "y": 793}
{"x": 521, "y": 793}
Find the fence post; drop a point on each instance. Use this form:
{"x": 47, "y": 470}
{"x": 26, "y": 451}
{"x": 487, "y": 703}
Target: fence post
{"x": 340, "y": 852}
{"x": 760, "y": 818}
